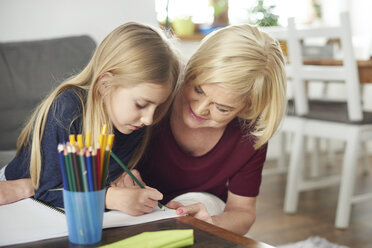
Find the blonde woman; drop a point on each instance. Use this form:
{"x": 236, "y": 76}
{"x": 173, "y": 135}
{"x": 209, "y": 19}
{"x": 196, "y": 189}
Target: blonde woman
{"x": 127, "y": 84}
{"x": 215, "y": 138}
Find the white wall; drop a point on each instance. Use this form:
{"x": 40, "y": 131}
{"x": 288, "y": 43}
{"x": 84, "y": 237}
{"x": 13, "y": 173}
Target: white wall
{"x": 39, "y": 19}
{"x": 360, "y": 12}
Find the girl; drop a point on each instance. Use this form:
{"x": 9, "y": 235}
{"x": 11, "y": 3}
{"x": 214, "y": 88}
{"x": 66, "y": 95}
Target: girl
{"x": 127, "y": 84}
{"x": 215, "y": 138}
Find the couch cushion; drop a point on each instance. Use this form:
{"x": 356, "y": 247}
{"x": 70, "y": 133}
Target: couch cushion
{"x": 28, "y": 71}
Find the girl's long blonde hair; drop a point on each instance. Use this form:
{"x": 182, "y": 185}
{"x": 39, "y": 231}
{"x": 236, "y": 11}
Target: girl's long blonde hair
{"x": 245, "y": 60}
{"x": 133, "y": 53}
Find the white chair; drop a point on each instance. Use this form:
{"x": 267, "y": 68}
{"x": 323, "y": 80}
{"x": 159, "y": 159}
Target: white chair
{"x": 325, "y": 119}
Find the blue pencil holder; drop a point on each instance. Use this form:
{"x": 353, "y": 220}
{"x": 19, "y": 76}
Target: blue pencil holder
{"x": 84, "y": 213}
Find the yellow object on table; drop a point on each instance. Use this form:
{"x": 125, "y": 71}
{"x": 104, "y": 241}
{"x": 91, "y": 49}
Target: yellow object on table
{"x": 157, "y": 239}
{"x": 183, "y": 27}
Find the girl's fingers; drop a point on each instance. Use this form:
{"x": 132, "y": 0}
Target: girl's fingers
{"x": 138, "y": 176}
{"x": 147, "y": 209}
{"x": 148, "y": 199}
{"x": 119, "y": 182}
{"x": 129, "y": 182}
{"x": 151, "y": 204}
{"x": 153, "y": 194}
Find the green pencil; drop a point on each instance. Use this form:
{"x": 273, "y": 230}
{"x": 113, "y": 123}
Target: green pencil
{"x": 70, "y": 170}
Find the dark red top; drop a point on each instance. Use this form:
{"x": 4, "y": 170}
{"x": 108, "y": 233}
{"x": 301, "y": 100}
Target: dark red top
{"x": 232, "y": 165}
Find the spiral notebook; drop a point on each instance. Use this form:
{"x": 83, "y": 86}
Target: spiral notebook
{"x": 30, "y": 220}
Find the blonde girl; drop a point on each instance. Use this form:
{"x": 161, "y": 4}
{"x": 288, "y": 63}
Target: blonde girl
{"x": 128, "y": 84}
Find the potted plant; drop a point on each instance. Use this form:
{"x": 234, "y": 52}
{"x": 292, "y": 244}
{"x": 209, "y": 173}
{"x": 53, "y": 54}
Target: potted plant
{"x": 262, "y": 15}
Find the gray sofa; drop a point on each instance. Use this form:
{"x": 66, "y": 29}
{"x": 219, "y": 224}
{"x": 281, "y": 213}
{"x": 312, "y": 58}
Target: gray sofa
{"x": 28, "y": 71}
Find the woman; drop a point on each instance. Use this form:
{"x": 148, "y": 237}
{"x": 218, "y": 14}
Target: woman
{"x": 214, "y": 139}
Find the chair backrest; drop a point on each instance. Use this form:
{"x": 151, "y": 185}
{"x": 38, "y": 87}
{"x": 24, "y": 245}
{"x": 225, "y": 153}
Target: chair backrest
{"x": 280, "y": 34}
{"x": 28, "y": 71}
{"x": 347, "y": 72}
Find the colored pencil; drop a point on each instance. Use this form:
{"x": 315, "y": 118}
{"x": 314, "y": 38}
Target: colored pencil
{"x": 63, "y": 167}
{"x": 72, "y": 139}
{"x": 94, "y": 168}
{"x": 87, "y": 139}
{"x": 81, "y": 162}
{"x": 69, "y": 170}
{"x": 98, "y": 163}
{"x": 72, "y": 156}
{"x": 105, "y": 166}
{"x": 89, "y": 169}
{"x": 103, "y": 141}
{"x": 110, "y": 142}
{"x": 84, "y": 168}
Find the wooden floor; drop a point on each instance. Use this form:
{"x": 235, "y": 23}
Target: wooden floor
{"x": 315, "y": 215}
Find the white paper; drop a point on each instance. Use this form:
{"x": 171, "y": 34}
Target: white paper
{"x": 117, "y": 218}
{"x": 28, "y": 220}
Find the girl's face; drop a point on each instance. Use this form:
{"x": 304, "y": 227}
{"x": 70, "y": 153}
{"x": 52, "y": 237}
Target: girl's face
{"x": 209, "y": 105}
{"x": 132, "y": 108}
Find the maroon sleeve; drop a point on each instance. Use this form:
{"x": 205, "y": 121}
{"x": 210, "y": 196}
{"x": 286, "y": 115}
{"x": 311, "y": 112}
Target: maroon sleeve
{"x": 247, "y": 181}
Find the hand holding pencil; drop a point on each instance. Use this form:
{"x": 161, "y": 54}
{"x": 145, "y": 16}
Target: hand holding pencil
{"x": 133, "y": 201}
{"x": 132, "y": 176}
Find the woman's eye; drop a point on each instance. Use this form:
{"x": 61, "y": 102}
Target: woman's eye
{"x": 198, "y": 89}
{"x": 222, "y": 110}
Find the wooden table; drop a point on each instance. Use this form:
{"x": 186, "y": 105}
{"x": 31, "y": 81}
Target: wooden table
{"x": 205, "y": 235}
{"x": 364, "y": 67}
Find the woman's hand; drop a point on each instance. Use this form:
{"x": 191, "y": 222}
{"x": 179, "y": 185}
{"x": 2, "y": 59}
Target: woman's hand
{"x": 197, "y": 210}
{"x": 126, "y": 181}
{"x": 134, "y": 201}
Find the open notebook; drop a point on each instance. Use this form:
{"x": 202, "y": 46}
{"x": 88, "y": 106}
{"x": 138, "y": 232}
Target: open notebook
{"x": 29, "y": 220}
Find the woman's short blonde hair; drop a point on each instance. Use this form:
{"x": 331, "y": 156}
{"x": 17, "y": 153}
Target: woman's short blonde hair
{"x": 245, "y": 60}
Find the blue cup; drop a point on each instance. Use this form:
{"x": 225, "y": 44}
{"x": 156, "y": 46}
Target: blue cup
{"x": 84, "y": 213}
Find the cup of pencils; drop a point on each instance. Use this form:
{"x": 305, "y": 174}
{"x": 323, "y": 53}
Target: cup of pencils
{"x": 84, "y": 172}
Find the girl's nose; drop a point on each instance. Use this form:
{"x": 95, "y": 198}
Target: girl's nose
{"x": 148, "y": 117}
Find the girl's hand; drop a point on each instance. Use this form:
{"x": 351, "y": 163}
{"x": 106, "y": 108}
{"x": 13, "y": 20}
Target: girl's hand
{"x": 126, "y": 181}
{"x": 133, "y": 201}
{"x": 197, "y": 210}
{"x": 15, "y": 190}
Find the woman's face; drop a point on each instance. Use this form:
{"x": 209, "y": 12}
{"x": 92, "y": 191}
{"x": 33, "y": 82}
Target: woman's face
{"x": 209, "y": 105}
{"x": 132, "y": 108}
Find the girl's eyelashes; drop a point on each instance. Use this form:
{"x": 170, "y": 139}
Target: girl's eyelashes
{"x": 140, "y": 106}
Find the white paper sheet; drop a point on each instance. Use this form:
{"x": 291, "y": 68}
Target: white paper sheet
{"x": 28, "y": 220}
{"x": 117, "y": 218}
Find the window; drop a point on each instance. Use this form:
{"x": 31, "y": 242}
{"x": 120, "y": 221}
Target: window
{"x": 201, "y": 11}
